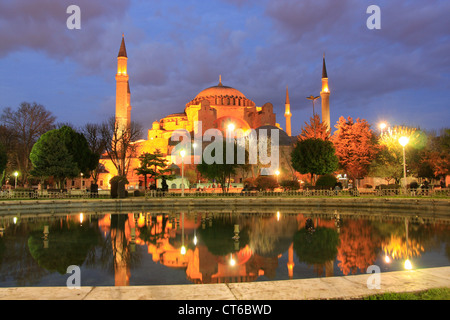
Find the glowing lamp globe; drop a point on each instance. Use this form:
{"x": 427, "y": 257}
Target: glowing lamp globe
{"x": 403, "y": 141}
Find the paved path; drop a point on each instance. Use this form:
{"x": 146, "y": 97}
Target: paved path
{"x": 348, "y": 287}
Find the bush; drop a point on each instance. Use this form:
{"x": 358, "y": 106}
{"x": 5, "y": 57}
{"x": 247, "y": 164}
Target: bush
{"x": 327, "y": 181}
{"x": 368, "y": 186}
{"x": 249, "y": 182}
{"x": 290, "y": 184}
{"x": 387, "y": 186}
{"x": 413, "y": 185}
{"x": 266, "y": 182}
{"x": 136, "y": 193}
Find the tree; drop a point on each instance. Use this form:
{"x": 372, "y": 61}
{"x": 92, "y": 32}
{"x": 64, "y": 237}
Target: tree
{"x": 314, "y": 156}
{"x": 97, "y": 144}
{"x": 3, "y": 162}
{"x": 51, "y": 158}
{"x": 356, "y": 146}
{"x": 315, "y": 129}
{"x": 154, "y": 165}
{"x": 62, "y": 153}
{"x": 120, "y": 146}
{"x": 27, "y": 124}
{"x": 78, "y": 147}
{"x": 386, "y": 165}
{"x": 437, "y": 156}
{"x": 221, "y": 172}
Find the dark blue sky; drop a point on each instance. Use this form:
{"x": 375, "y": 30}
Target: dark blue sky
{"x": 399, "y": 74}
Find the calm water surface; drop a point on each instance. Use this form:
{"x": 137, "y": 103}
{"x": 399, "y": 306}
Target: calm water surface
{"x": 202, "y": 247}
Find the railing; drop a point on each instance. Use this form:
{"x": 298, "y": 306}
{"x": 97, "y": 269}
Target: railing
{"x": 105, "y": 194}
{"x": 60, "y": 194}
{"x": 308, "y": 193}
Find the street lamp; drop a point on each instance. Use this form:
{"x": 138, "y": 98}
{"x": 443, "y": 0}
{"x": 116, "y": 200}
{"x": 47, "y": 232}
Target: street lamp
{"x": 81, "y": 185}
{"x": 182, "y": 154}
{"x": 15, "y": 175}
{"x": 403, "y": 142}
{"x": 277, "y": 173}
{"x": 313, "y": 99}
{"x": 383, "y": 126}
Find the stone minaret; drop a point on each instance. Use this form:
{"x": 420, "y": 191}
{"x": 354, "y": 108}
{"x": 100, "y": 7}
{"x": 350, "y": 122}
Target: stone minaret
{"x": 287, "y": 113}
{"x": 325, "y": 96}
{"x": 123, "y": 107}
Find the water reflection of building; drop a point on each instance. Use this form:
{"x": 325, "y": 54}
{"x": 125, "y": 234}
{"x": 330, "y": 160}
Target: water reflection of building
{"x": 161, "y": 235}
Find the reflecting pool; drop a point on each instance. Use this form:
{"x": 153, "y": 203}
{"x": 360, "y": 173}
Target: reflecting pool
{"x": 149, "y": 248}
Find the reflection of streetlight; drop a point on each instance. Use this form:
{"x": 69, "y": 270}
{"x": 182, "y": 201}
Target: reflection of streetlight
{"x": 403, "y": 142}
{"x": 232, "y": 261}
{"x": 15, "y": 174}
{"x": 408, "y": 265}
{"x": 183, "y": 248}
{"x": 182, "y": 154}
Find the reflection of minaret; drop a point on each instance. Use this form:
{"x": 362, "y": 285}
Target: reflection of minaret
{"x": 120, "y": 250}
{"x": 287, "y": 113}
{"x": 325, "y": 96}
{"x": 123, "y": 107}
{"x": 290, "y": 264}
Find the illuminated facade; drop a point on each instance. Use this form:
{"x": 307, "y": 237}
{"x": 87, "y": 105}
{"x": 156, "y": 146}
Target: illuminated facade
{"x": 214, "y": 107}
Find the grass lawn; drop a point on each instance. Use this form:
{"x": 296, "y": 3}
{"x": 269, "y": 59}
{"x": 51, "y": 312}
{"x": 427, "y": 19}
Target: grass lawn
{"x": 432, "y": 294}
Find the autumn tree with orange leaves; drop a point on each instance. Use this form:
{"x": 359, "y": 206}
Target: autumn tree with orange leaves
{"x": 316, "y": 129}
{"x": 356, "y": 146}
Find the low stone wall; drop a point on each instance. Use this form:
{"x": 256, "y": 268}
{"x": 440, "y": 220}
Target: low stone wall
{"x": 440, "y": 206}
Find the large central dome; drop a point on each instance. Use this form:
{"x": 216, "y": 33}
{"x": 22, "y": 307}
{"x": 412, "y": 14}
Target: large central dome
{"x": 220, "y": 90}
{"x": 221, "y": 95}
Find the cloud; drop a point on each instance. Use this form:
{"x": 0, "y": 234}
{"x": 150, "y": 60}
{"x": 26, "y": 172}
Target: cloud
{"x": 40, "y": 25}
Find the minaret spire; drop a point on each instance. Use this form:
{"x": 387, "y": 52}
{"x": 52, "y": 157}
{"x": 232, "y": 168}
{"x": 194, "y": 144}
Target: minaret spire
{"x": 123, "y": 107}
{"x": 324, "y": 68}
{"x": 123, "y": 50}
{"x": 325, "y": 96}
{"x": 287, "y": 113}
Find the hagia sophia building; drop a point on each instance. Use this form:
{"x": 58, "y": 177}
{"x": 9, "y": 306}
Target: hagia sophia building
{"x": 215, "y": 107}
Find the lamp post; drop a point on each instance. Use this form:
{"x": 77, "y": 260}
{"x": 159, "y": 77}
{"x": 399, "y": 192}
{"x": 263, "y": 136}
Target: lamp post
{"x": 313, "y": 99}
{"x": 403, "y": 142}
{"x": 383, "y": 126}
{"x": 81, "y": 185}
{"x": 277, "y": 173}
{"x": 15, "y": 175}
{"x": 182, "y": 154}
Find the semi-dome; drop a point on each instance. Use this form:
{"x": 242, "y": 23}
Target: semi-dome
{"x": 284, "y": 139}
{"x": 221, "y": 95}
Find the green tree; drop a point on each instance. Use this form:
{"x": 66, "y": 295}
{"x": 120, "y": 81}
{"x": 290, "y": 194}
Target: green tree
{"x": 78, "y": 148}
{"x": 50, "y": 158}
{"x": 314, "y": 156}
{"x": 153, "y": 165}
{"x": 221, "y": 172}
{"x": 62, "y": 153}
